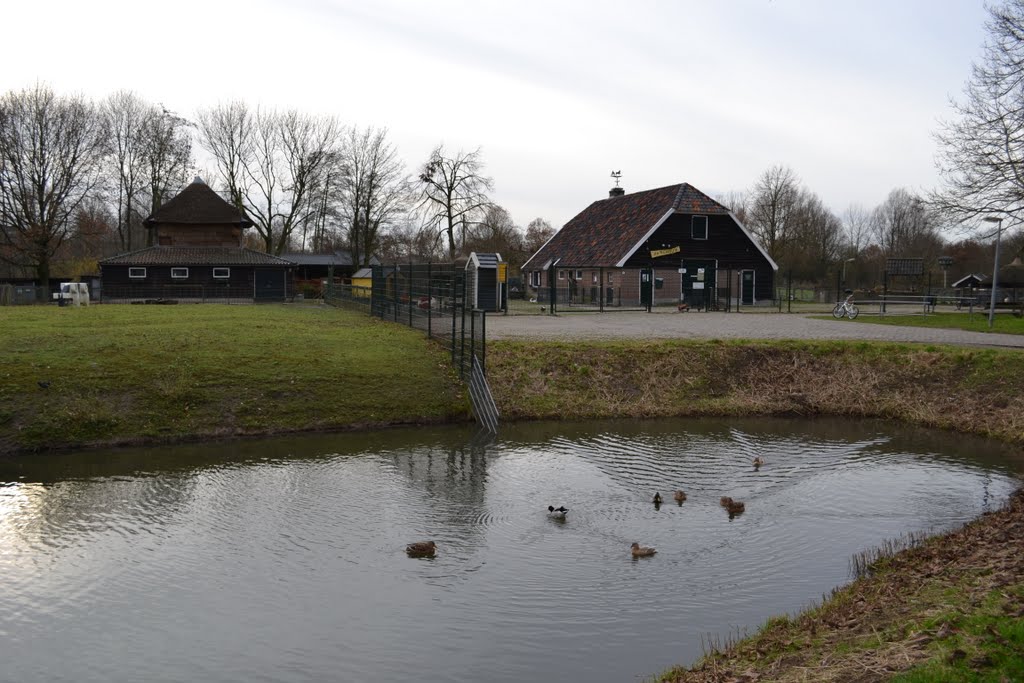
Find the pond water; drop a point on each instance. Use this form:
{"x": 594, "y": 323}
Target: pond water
{"x": 283, "y": 559}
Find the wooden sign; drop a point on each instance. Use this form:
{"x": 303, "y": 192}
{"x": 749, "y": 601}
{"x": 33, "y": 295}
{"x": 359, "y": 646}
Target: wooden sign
{"x": 655, "y": 253}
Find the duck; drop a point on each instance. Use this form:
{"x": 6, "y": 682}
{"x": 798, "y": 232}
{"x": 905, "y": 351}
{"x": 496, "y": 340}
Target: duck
{"x": 421, "y": 549}
{"x": 725, "y": 501}
{"x": 657, "y": 498}
{"x": 758, "y": 461}
{"x": 680, "y": 496}
{"x": 557, "y": 512}
{"x": 735, "y": 507}
{"x": 642, "y": 550}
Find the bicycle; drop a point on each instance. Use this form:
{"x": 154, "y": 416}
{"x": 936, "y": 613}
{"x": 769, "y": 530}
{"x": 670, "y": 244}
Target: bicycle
{"x": 846, "y": 309}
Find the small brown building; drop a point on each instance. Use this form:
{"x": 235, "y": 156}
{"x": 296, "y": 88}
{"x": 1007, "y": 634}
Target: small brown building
{"x": 672, "y": 244}
{"x": 198, "y": 255}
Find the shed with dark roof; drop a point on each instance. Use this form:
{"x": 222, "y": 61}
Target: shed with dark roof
{"x": 696, "y": 247}
{"x": 198, "y": 255}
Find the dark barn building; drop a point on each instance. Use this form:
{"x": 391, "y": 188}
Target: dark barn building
{"x": 198, "y": 256}
{"x": 697, "y": 249}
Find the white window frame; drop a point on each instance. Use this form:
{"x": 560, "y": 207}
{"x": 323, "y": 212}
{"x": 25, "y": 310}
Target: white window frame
{"x": 535, "y": 278}
{"x": 226, "y": 273}
{"x": 693, "y": 227}
{"x": 133, "y": 273}
{"x": 175, "y": 273}
{"x": 593, "y": 278}
{"x": 579, "y": 275}
{"x": 561, "y": 275}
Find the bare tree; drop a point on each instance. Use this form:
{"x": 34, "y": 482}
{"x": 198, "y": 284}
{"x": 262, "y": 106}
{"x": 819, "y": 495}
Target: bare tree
{"x": 815, "y": 237}
{"x": 538, "y": 232}
{"x": 272, "y": 164}
{"x": 981, "y": 149}
{"x": 453, "y": 194}
{"x": 857, "y": 227}
{"x": 126, "y": 117}
{"x": 375, "y": 193}
{"x": 497, "y": 232}
{"x": 902, "y": 223}
{"x": 737, "y": 203}
{"x": 771, "y": 205}
{"x": 168, "y": 156}
{"x": 51, "y": 151}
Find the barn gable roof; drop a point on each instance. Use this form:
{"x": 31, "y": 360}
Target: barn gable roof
{"x": 198, "y": 204}
{"x": 608, "y": 231}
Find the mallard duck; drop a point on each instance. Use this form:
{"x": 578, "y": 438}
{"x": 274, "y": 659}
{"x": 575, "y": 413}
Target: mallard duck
{"x": 725, "y": 501}
{"x": 680, "y": 496}
{"x": 758, "y": 461}
{"x": 657, "y": 498}
{"x": 557, "y": 512}
{"x": 642, "y": 550}
{"x": 735, "y": 507}
{"x": 421, "y": 549}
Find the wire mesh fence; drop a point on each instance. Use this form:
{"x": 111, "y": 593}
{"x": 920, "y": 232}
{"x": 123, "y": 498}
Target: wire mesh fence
{"x": 431, "y": 297}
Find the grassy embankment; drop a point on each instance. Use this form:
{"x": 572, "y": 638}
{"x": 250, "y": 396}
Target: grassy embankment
{"x": 137, "y": 374}
{"x": 965, "y": 389}
{"x": 949, "y": 610}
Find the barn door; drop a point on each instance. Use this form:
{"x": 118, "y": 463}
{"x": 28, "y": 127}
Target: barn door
{"x": 747, "y": 288}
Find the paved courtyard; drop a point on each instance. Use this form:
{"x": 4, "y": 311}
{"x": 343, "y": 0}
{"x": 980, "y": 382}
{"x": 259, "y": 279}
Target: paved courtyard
{"x": 695, "y": 325}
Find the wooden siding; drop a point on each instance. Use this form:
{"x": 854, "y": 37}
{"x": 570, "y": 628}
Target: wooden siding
{"x": 185, "y": 235}
{"x": 158, "y": 276}
{"x": 726, "y": 243}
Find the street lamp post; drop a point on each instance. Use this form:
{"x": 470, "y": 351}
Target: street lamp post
{"x": 849, "y": 260}
{"x": 995, "y": 267}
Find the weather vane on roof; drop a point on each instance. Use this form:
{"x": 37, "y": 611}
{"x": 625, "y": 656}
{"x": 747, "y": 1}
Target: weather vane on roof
{"x": 616, "y": 175}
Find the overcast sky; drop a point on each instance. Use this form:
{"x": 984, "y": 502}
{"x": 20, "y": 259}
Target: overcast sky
{"x": 557, "y": 94}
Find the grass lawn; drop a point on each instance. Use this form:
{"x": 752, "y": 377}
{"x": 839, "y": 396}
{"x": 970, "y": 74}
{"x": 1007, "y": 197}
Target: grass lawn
{"x": 1003, "y": 322}
{"x": 124, "y": 374}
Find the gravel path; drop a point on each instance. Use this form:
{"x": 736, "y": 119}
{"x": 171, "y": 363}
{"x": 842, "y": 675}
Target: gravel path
{"x": 726, "y": 326}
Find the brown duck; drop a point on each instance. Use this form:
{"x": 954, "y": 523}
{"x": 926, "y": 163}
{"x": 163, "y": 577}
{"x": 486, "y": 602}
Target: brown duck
{"x": 642, "y": 550}
{"x": 421, "y": 549}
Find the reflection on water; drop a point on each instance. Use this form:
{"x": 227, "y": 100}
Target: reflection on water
{"x": 284, "y": 559}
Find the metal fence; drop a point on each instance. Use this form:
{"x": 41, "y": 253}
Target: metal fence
{"x": 586, "y": 289}
{"x": 431, "y": 297}
{"x": 23, "y": 295}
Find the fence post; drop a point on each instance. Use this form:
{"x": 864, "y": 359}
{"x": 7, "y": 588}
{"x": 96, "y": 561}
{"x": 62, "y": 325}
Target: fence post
{"x": 483, "y": 342}
{"x": 409, "y": 288}
{"x": 789, "y": 292}
{"x": 472, "y": 337}
{"x": 453, "y": 292}
{"x": 885, "y": 291}
{"x": 552, "y": 288}
{"x": 430, "y": 300}
{"x": 462, "y": 336}
{"x": 739, "y": 290}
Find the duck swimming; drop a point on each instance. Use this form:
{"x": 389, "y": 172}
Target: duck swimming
{"x": 557, "y": 512}
{"x": 725, "y": 501}
{"x": 421, "y": 549}
{"x": 641, "y": 550}
{"x": 679, "y": 496}
{"x": 758, "y": 461}
{"x": 735, "y": 507}
{"x": 657, "y": 498}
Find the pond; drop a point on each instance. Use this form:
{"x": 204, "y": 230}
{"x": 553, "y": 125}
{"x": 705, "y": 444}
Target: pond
{"x": 284, "y": 559}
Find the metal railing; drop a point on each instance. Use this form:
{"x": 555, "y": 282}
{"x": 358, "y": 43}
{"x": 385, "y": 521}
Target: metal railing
{"x": 431, "y": 297}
